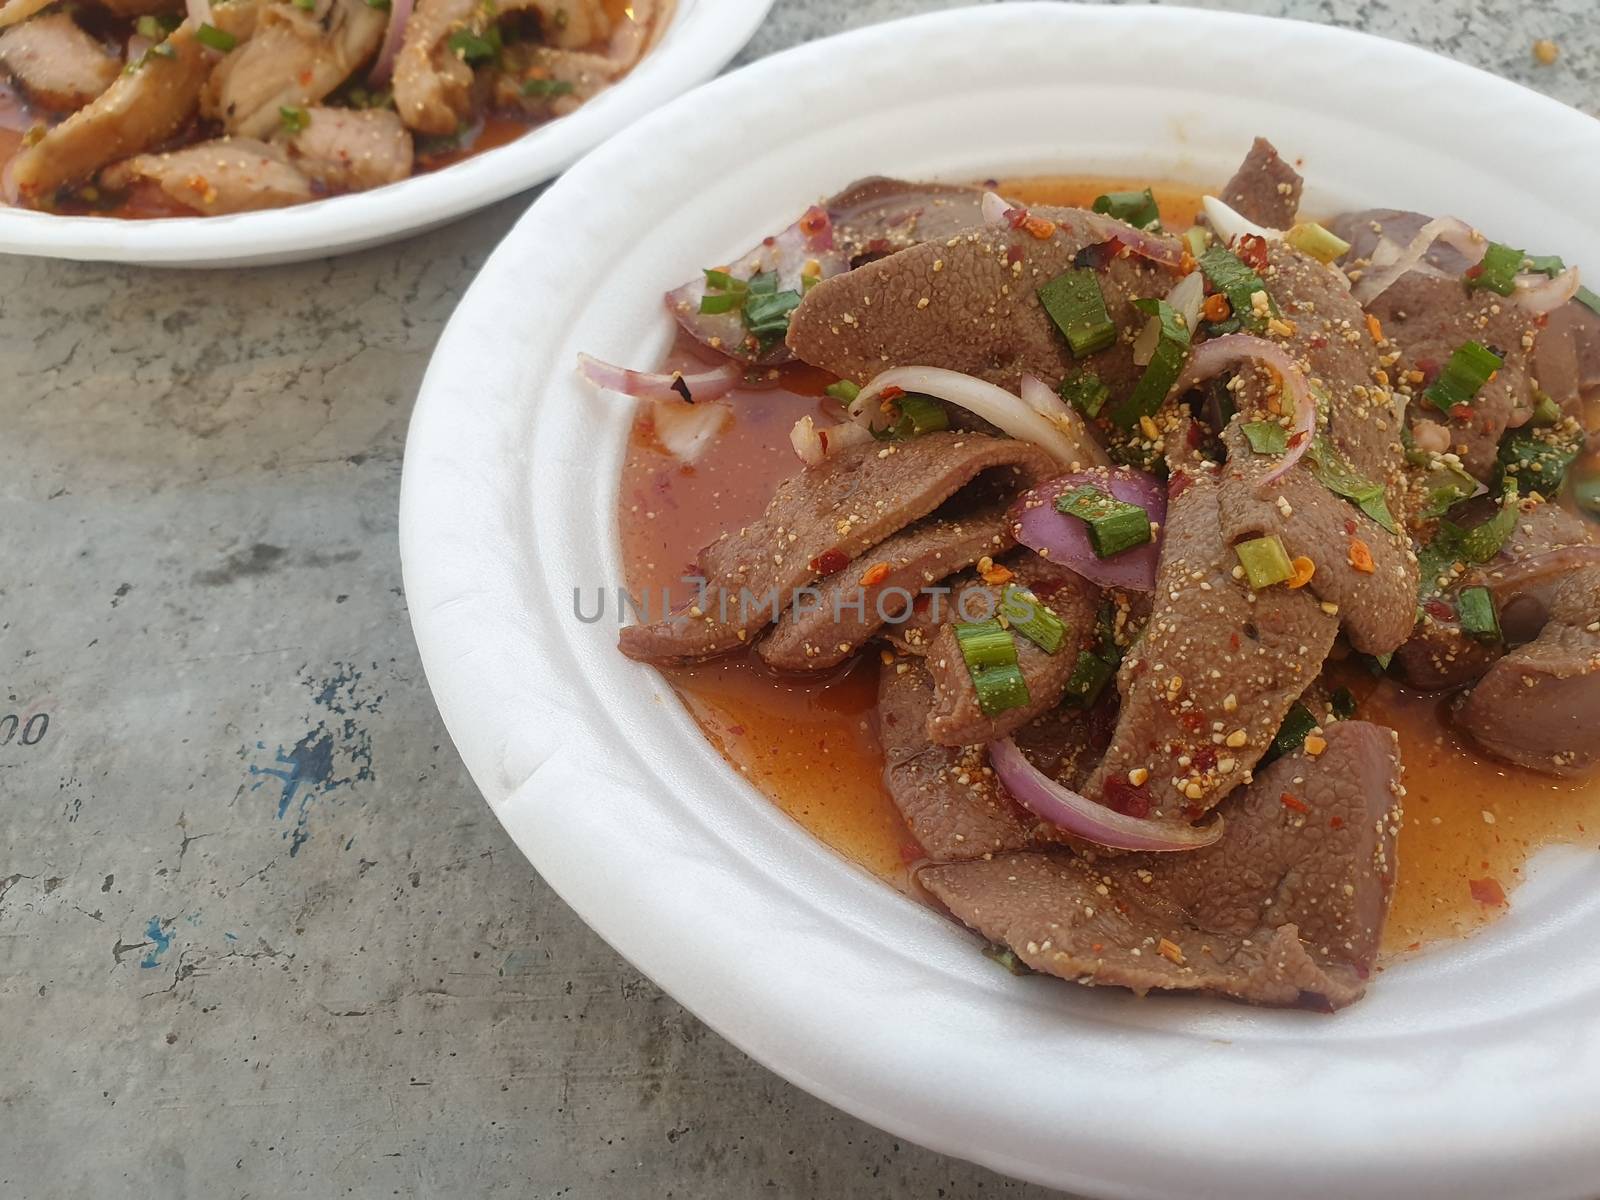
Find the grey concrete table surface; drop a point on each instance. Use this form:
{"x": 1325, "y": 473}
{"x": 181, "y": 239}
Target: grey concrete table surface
{"x": 259, "y": 936}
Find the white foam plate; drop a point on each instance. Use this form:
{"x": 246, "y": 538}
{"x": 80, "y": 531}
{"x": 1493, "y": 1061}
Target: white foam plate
{"x": 702, "y": 36}
{"x": 1471, "y": 1071}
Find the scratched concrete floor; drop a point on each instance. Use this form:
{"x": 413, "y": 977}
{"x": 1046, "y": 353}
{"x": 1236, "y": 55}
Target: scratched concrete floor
{"x": 258, "y": 935}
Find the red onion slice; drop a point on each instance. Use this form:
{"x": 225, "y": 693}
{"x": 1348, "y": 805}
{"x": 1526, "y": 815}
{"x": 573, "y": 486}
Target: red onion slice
{"x": 1540, "y": 294}
{"x": 1158, "y": 248}
{"x": 809, "y": 240}
{"x": 1451, "y": 230}
{"x": 1211, "y": 358}
{"x": 711, "y": 384}
{"x": 1047, "y": 402}
{"x": 1064, "y": 540}
{"x": 1079, "y": 815}
{"x": 994, "y": 404}
{"x": 1228, "y": 224}
{"x": 393, "y": 38}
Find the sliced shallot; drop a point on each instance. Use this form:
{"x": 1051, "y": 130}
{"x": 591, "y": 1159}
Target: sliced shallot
{"x": 995, "y": 207}
{"x": 1540, "y": 294}
{"x": 711, "y": 384}
{"x": 1064, "y": 539}
{"x": 1044, "y": 400}
{"x": 1228, "y": 224}
{"x": 1079, "y": 815}
{"x": 199, "y": 12}
{"x": 687, "y": 429}
{"x": 393, "y": 37}
{"x": 814, "y": 445}
{"x": 1451, "y": 230}
{"x": 1211, "y": 358}
{"x": 995, "y": 405}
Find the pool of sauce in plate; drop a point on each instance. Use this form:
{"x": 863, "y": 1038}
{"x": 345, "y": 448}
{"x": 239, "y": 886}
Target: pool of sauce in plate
{"x": 811, "y": 746}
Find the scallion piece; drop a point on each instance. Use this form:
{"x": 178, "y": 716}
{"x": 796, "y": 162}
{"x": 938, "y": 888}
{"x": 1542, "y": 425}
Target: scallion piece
{"x": 1482, "y": 542}
{"x": 1138, "y": 209}
{"x": 293, "y": 119}
{"x": 1090, "y": 674}
{"x": 1546, "y": 411}
{"x": 1333, "y": 471}
{"x": 1498, "y": 270}
{"x": 763, "y": 283}
{"x": 1471, "y": 366}
{"x": 1198, "y": 240}
{"x": 1297, "y": 725}
{"x": 1264, "y": 560}
{"x": 1321, "y": 244}
{"x": 1227, "y": 273}
{"x": 1536, "y": 459}
{"x": 1076, "y": 305}
{"x": 1586, "y": 489}
{"x": 844, "y": 391}
{"x": 544, "y": 89}
{"x": 1343, "y": 703}
{"x": 1166, "y": 364}
{"x": 1475, "y": 606}
{"x": 1588, "y": 299}
{"x": 721, "y": 302}
{"x": 216, "y": 39}
{"x": 721, "y": 281}
{"x": 472, "y": 47}
{"x": 305, "y": 5}
{"x": 919, "y": 414}
{"x": 161, "y": 50}
{"x": 990, "y": 653}
{"x": 1265, "y": 437}
{"x": 766, "y": 314}
{"x": 1545, "y": 264}
{"x": 1083, "y": 389}
{"x": 1027, "y": 614}
{"x": 1114, "y": 525}
{"x": 1445, "y": 487}
{"x": 150, "y": 27}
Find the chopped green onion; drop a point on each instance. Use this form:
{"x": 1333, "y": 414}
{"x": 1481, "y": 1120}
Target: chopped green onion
{"x": 721, "y": 302}
{"x": 1478, "y": 617}
{"x": 1171, "y": 351}
{"x": 766, "y": 314}
{"x": 1090, "y": 674}
{"x": 844, "y": 391}
{"x": 1383, "y": 660}
{"x": 1498, "y": 270}
{"x": 1076, "y": 305}
{"x": 919, "y": 414}
{"x": 1537, "y": 459}
{"x": 1546, "y": 411}
{"x": 1588, "y": 299}
{"x": 1007, "y": 958}
{"x": 1452, "y": 544}
{"x": 1228, "y": 274}
{"x": 1482, "y": 542}
{"x": 1297, "y": 725}
{"x": 305, "y": 5}
{"x": 1138, "y": 209}
{"x": 1083, "y": 389}
{"x": 151, "y": 27}
{"x": 1446, "y": 486}
{"x": 1321, "y": 244}
{"x": 763, "y": 283}
{"x": 1343, "y": 703}
{"x": 162, "y": 50}
{"x": 545, "y": 89}
{"x": 1264, "y": 560}
{"x": 1545, "y": 264}
{"x": 1334, "y": 471}
{"x": 1265, "y": 437}
{"x": 1198, "y": 240}
{"x": 1586, "y": 489}
{"x": 293, "y": 119}
{"x": 990, "y": 653}
{"x": 216, "y": 39}
{"x": 1114, "y": 525}
{"x": 1470, "y": 367}
{"x": 472, "y": 47}
{"x": 721, "y": 281}
{"x": 1027, "y": 615}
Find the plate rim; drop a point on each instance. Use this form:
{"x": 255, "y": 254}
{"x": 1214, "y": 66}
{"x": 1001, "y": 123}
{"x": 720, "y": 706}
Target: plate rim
{"x": 510, "y": 772}
{"x": 703, "y": 36}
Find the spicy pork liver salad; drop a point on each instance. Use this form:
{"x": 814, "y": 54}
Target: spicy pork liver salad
{"x": 1112, "y": 513}
{"x": 152, "y": 108}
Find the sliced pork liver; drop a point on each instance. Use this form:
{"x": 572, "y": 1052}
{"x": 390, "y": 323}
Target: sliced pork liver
{"x": 1264, "y": 189}
{"x": 1286, "y": 909}
{"x": 876, "y": 216}
{"x": 849, "y": 610}
{"x": 968, "y": 303}
{"x": 955, "y": 719}
{"x": 819, "y": 522}
{"x": 1216, "y": 661}
{"x": 1331, "y": 341}
{"x": 1539, "y": 706}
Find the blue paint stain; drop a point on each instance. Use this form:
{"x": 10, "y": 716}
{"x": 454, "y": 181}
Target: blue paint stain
{"x": 159, "y": 939}
{"x": 232, "y": 937}
{"x": 193, "y": 918}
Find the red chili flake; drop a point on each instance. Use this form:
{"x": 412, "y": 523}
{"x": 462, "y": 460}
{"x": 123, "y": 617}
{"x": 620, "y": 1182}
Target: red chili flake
{"x": 1098, "y": 255}
{"x": 1461, "y": 412}
{"x": 830, "y": 562}
{"x": 1488, "y": 891}
{"x": 1429, "y": 368}
{"x": 1318, "y": 342}
{"x": 1294, "y": 802}
{"x": 1196, "y": 435}
{"x": 1335, "y": 822}
{"x": 1013, "y": 255}
{"x": 1204, "y": 758}
{"x": 1474, "y": 272}
{"x": 1178, "y": 484}
{"x": 910, "y": 852}
{"x": 736, "y": 730}
{"x": 1038, "y": 227}
{"x": 769, "y": 241}
{"x": 891, "y": 393}
{"x": 1439, "y": 610}
{"x": 1350, "y": 527}
{"x": 815, "y": 221}
{"x": 1233, "y": 641}
{"x": 1192, "y": 721}
{"x": 1125, "y": 798}
{"x": 1252, "y": 251}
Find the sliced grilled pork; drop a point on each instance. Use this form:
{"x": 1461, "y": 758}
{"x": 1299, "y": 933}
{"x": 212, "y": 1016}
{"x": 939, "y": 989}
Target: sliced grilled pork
{"x": 852, "y": 605}
{"x": 1539, "y": 706}
{"x": 224, "y": 176}
{"x": 56, "y": 64}
{"x": 1286, "y": 909}
{"x": 351, "y": 150}
{"x": 1264, "y": 189}
{"x": 140, "y": 109}
{"x": 294, "y": 58}
{"x": 820, "y": 522}
{"x": 543, "y": 83}
{"x": 969, "y": 303}
{"x": 1209, "y": 682}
